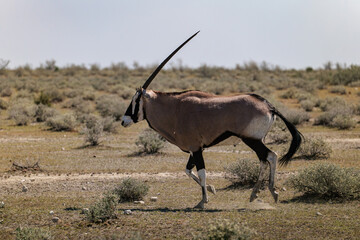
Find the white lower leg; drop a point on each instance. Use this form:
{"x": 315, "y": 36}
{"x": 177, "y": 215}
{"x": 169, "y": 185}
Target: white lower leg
{"x": 190, "y": 173}
{"x": 202, "y": 178}
{"x": 272, "y": 158}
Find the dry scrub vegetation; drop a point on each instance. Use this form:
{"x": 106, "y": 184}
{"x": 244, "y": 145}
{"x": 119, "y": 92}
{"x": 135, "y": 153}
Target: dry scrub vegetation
{"x": 65, "y": 121}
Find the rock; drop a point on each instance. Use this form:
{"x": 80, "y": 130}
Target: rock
{"x": 2, "y": 204}
{"x": 84, "y": 211}
{"x": 319, "y": 214}
{"x": 139, "y": 202}
{"x": 55, "y": 219}
{"x": 153, "y": 199}
{"x": 128, "y": 212}
{"x": 24, "y": 188}
{"x": 84, "y": 188}
{"x": 283, "y": 189}
{"x": 63, "y": 148}
{"x": 51, "y": 212}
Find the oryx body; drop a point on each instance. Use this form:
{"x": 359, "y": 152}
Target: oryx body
{"x": 195, "y": 120}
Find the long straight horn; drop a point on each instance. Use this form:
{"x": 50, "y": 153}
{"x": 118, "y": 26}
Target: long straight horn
{"x": 157, "y": 70}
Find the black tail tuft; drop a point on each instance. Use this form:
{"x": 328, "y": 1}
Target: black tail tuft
{"x": 295, "y": 143}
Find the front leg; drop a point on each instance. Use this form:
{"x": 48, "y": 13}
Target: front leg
{"x": 200, "y": 167}
{"x": 202, "y": 177}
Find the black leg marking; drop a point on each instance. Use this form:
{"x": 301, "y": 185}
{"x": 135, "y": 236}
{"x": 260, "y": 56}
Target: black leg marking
{"x": 266, "y": 156}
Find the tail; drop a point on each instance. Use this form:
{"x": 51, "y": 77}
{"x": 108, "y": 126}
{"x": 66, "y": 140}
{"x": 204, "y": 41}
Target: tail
{"x": 296, "y": 139}
{"x": 296, "y": 135}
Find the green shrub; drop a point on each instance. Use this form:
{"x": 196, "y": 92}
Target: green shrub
{"x": 331, "y": 103}
{"x": 150, "y": 141}
{"x": 131, "y": 190}
{"x": 343, "y": 122}
{"x": 314, "y": 148}
{"x": 22, "y": 113}
{"x": 226, "y": 230}
{"x": 290, "y": 93}
{"x": 278, "y": 135}
{"x": 93, "y": 130}
{"x": 103, "y": 210}
{"x": 42, "y": 113}
{"x": 244, "y": 172}
{"x": 326, "y": 180}
{"x": 109, "y": 125}
{"x": 43, "y": 99}
{"x": 6, "y": 92}
{"x": 339, "y": 116}
{"x": 111, "y": 106}
{"x": 338, "y": 90}
{"x": 346, "y": 76}
{"x": 3, "y": 104}
{"x": 295, "y": 116}
{"x": 307, "y": 105}
{"x": 29, "y": 233}
{"x": 65, "y": 122}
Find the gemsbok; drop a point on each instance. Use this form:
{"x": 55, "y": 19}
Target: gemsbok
{"x": 195, "y": 120}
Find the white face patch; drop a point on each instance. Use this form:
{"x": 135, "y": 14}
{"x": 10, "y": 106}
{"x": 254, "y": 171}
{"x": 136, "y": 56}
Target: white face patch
{"x": 126, "y": 121}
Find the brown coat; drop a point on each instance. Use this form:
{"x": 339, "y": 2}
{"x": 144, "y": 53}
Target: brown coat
{"x": 193, "y": 120}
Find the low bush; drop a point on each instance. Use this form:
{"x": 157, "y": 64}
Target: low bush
{"x": 109, "y": 124}
{"x": 314, "y": 148}
{"x": 330, "y": 103}
{"x": 226, "y": 230}
{"x": 22, "y": 113}
{"x": 340, "y": 117}
{"x": 278, "y": 135}
{"x": 93, "y": 130}
{"x": 150, "y": 142}
{"x": 43, "y": 112}
{"x": 111, "y": 106}
{"x": 29, "y": 233}
{"x": 290, "y": 93}
{"x": 131, "y": 190}
{"x": 244, "y": 172}
{"x": 308, "y": 105}
{"x": 338, "y": 90}
{"x": 295, "y": 116}
{"x": 3, "y": 104}
{"x": 43, "y": 98}
{"x": 65, "y": 122}
{"x": 343, "y": 122}
{"x": 103, "y": 210}
{"x": 326, "y": 180}
{"x": 6, "y": 92}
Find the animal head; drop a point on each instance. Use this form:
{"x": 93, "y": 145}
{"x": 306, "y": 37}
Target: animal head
{"x": 135, "y": 111}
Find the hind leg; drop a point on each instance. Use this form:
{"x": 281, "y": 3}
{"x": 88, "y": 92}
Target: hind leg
{"x": 272, "y": 158}
{"x": 265, "y": 156}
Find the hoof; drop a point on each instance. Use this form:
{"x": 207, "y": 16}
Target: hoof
{"x": 275, "y": 196}
{"x": 200, "y": 205}
{"x": 211, "y": 189}
{"x": 253, "y": 197}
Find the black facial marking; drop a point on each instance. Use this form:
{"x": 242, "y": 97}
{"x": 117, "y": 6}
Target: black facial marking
{"x": 135, "y": 116}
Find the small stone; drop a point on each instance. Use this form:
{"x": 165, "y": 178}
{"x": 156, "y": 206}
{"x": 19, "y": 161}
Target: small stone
{"x": 153, "y": 199}
{"x": 24, "y": 189}
{"x": 84, "y": 211}
{"x": 283, "y": 189}
{"x": 51, "y": 212}
{"x": 55, "y": 219}
{"x": 128, "y": 212}
{"x": 319, "y": 214}
{"x": 63, "y": 148}
{"x": 84, "y": 188}
{"x": 139, "y": 202}
{"x": 2, "y": 204}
